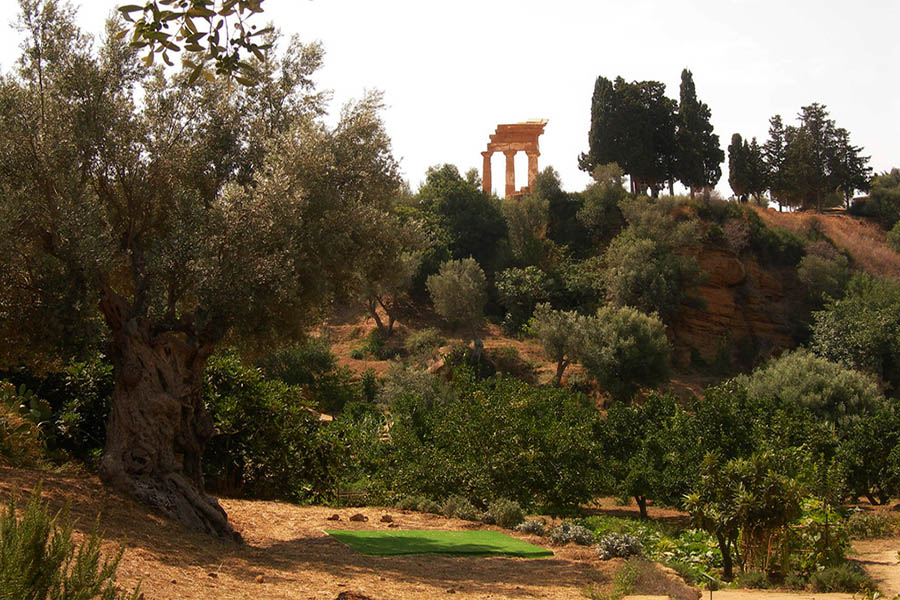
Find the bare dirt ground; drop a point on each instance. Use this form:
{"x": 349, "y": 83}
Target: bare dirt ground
{"x": 288, "y": 556}
{"x": 879, "y": 559}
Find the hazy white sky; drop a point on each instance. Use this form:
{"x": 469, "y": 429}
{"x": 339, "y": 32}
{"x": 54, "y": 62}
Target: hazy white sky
{"x": 452, "y": 71}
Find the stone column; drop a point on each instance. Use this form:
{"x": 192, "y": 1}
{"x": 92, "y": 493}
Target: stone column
{"x": 486, "y": 172}
{"x": 510, "y": 172}
{"x": 532, "y": 168}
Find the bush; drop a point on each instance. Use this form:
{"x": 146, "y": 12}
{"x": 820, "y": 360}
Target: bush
{"x": 460, "y": 508}
{"x": 846, "y": 577}
{"x": 429, "y": 506}
{"x": 39, "y": 560}
{"x": 409, "y": 502}
{"x": 753, "y": 580}
{"x": 866, "y": 525}
{"x": 20, "y": 440}
{"x": 423, "y": 345}
{"x": 614, "y": 545}
{"x": 520, "y": 290}
{"x": 570, "y": 532}
{"x": 506, "y": 513}
{"x": 893, "y": 237}
{"x": 300, "y": 364}
{"x": 496, "y": 438}
{"x": 532, "y": 526}
{"x": 270, "y": 444}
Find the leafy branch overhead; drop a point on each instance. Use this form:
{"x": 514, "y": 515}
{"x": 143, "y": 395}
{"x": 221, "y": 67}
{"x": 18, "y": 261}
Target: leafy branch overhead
{"x": 215, "y": 34}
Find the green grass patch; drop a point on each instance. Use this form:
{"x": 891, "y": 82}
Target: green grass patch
{"x": 435, "y": 541}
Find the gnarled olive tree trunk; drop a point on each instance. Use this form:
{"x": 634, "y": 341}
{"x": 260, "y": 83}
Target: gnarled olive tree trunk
{"x": 158, "y": 425}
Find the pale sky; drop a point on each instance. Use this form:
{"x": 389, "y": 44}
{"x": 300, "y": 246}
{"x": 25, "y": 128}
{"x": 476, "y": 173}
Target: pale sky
{"x": 450, "y": 72}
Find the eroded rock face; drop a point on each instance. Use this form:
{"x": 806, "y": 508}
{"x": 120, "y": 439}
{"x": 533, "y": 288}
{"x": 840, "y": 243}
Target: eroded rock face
{"x": 749, "y": 307}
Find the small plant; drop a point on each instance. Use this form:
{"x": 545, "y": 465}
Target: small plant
{"x": 865, "y": 524}
{"x": 423, "y": 345}
{"x": 429, "y": 506}
{"x": 39, "y": 560}
{"x": 842, "y": 578}
{"x": 794, "y": 581}
{"x": 357, "y": 354}
{"x": 410, "y": 502}
{"x": 753, "y": 580}
{"x": 487, "y": 518}
{"x": 614, "y": 545}
{"x": 532, "y": 526}
{"x": 570, "y": 532}
{"x": 506, "y": 513}
{"x": 460, "y": 508}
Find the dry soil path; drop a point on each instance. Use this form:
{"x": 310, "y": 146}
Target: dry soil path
{"x": 879, "y": 559}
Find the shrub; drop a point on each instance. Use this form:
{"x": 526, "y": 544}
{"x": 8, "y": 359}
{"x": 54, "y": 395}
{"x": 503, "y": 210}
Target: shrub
{"x": 614, "y": 545}
{"x": 82, "y": 418}
{"x": 824, "y": 271}
{"x": 20, "y": 440}
{"x": 866, "y": 524}
{"x": 846, "y": 577}
{"x": 532, "y": 526}
{"x": 429, "y": 506}
{"x": 269, "y": 443}
{"x": 570, "y": 532}
{"x": 506, "y": 359}
{"x": 300, "y": 364}
{"x": 496, "y": 438}
{"x": 506, "y": 513}
{"x": 753, "y": 580}
{"x": 460, "y": 508}
{"x": 409, "y": 502}
{"x": 624, "y": 348}
{"x": 893, "y": 237}
{"x": 459, "y": 292}
{"x": 520, "y": 290}
{"x": 794, "y": 581}
{"x": 39, "y": 560}
{"x": 422, "y": 346}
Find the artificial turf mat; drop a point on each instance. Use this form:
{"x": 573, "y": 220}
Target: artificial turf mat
{"x": 435, "y": 541}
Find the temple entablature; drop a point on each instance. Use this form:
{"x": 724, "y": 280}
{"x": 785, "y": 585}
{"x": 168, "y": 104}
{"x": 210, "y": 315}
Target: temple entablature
{"x": 511, "y": 139}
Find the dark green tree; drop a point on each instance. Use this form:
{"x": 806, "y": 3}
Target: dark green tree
{"x": 699, "y": 157}
{"x": 756, "y": 169}
{"x": 738, "y": 167}
{"x": 775, "y": 156}
{"x": 472, "y": 221}
{"x": 633, "y": 125}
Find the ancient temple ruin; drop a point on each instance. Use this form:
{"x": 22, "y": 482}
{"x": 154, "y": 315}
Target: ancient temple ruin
{"x": 510, "y": 139}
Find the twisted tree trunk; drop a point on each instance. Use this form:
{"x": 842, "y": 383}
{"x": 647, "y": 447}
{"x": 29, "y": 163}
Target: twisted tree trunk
{"x": 158, "y": 425}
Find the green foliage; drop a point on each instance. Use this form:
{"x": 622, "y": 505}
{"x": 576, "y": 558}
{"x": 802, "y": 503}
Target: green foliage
{"x": 640, "y": 446}
{"x": 883, "y": 203}
{"x": 868, "y": 455}
{"x": 865, "y": 525}
{"x": 698, "y": 158}
{"x": 623, "y": 349}
{"x": 39, "y": 560}
{"x": 505, "y": 513}
{"x": 459, "y": 292}
{"x": 299, "y": 364}
{"x": 81, "y": 420}
{"x": 519, "y": 291}
{"x": 746, "y": 501}
{"x": 846, "y": 577}
{"x": 862, "y": 329}
{"x": 828, "y": 390}
{"x": 470, "y": 221}
{"x": 194, "y": 27}
{"x": 269, "y": 443}
{"x": 824, "y": 271}
{"x": 532, "y": 527}
{"x": 560, "y": 333}
{"x": 422, "y": 345}
{"x": 459, "y": 508}
{"x": 21, "y": 444}
{"x": 893, "y": 238}
{"x": 526, "y": 218}
{"x": 567, "y": 532}
{"x": 614, "y": 545}
{"x": 495, "y": 438}
{"x": 643, "y": 269}
{"x": 599, "y": 212}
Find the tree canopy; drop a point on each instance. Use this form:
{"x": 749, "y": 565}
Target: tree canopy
{"x": 166, "y": 218}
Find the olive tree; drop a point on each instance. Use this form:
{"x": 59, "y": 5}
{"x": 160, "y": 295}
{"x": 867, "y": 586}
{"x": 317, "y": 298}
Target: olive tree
{"x": 459, "y": 293}
{"x": 560, "y": 333}
{"x": 167, "y": 218}
{"x": 623, "y": 348}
